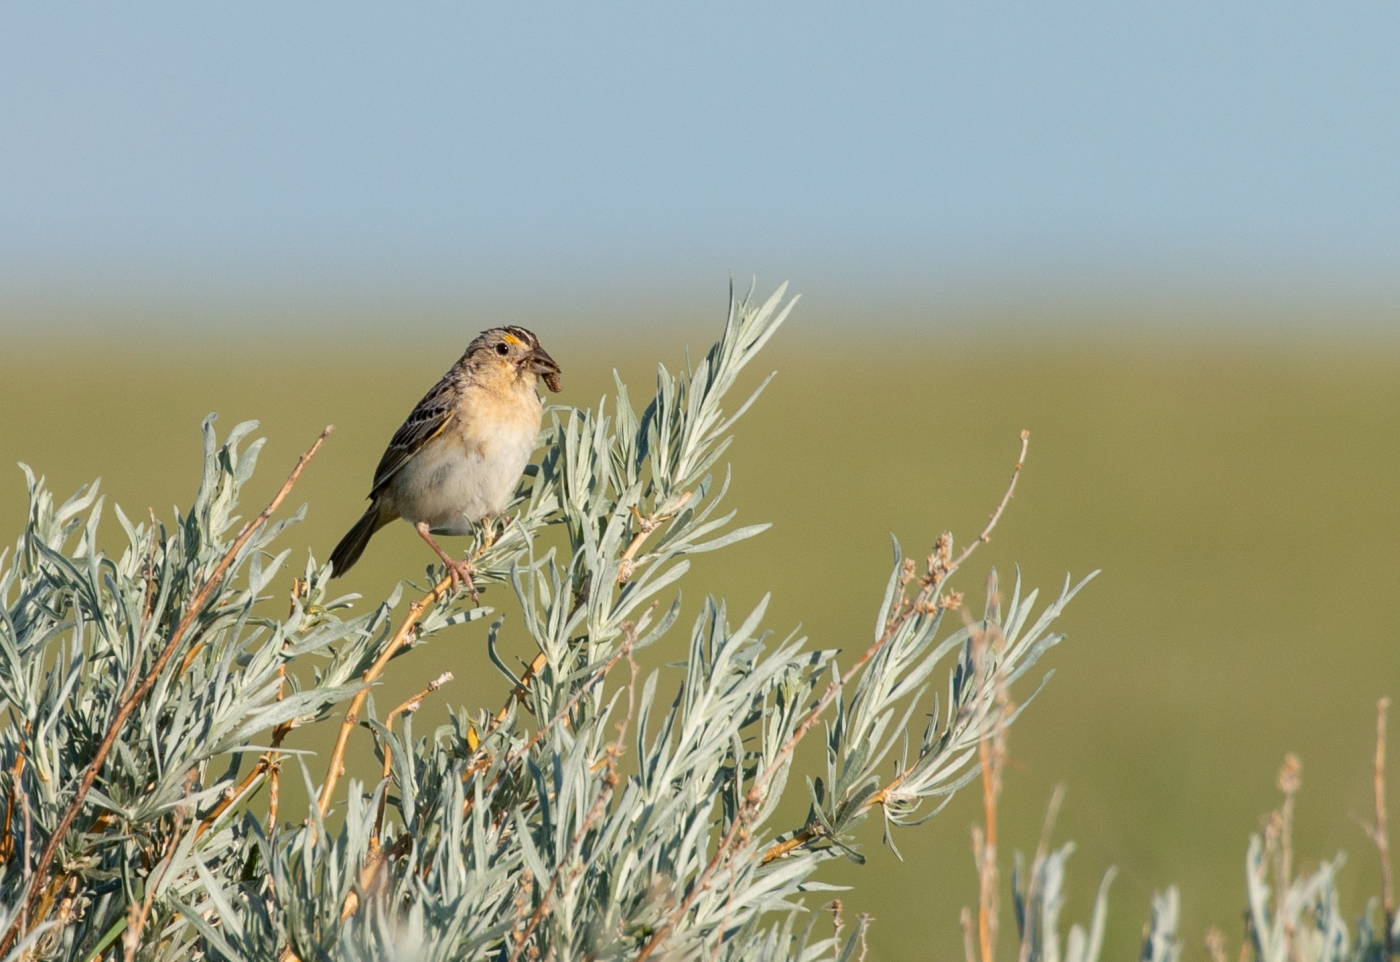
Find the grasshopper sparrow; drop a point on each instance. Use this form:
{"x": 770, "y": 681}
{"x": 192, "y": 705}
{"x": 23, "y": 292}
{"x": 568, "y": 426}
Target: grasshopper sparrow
{"x": 458, "y": 456}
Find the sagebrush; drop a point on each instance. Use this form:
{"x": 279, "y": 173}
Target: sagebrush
{"x": 603, "y": 810}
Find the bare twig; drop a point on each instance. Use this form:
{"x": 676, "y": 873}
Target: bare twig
{"x": 270, "y": 762}
{"x": 986, "y": 534}
{"x": 233, "y": 793}
{"x": 518, "y": 693}
{"x": 138, "y": 913}
{"x": 28, "y": 874}
{"x": 274, "y": 780}
{"x": 124, "y": 711}
{"x": 7, "y": 841}
{"x": 441, "y": 590}
{"x": 922, "y": 604}
{"x": 991, "y": 751}
{"x": 369, "y": 874}
{"x": 410, "y": 705}
{"x": 1290, "y": 779}
{"x": 969, "y": 935}
{"x": 1380, "y": 835}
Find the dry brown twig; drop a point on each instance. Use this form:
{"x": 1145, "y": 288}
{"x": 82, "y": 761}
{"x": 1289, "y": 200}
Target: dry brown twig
{"x": 336, "y": 767}
{"x": 138, "y": 913}
{"x": 991, "y": 752}
{"x": 7, "y": 839}
{"x": 1379, "y": 833}
{"x": 128, "y": 705}
{"x": 407, "y": 707}
{"x": 269, "y": 763}
{"x": 969, "y": 935}
{"x": 443, "y": 589}
{"x": 926, "y": 596}
{"x": 1290, "y": 780}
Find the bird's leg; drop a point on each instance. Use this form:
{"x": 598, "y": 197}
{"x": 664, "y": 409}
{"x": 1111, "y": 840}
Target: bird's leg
{"x": 459, "y": 571}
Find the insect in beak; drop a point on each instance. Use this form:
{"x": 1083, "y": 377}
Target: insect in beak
{"x": 539, "y": 362}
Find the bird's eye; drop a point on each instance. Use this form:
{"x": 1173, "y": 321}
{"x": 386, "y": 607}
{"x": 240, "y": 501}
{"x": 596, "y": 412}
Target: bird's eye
{"x": 501, "y": 349}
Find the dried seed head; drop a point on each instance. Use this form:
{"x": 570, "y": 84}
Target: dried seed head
{"x": 906, "y": 572}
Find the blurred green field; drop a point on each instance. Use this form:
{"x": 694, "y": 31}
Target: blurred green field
{"x": 1240, "y": 498}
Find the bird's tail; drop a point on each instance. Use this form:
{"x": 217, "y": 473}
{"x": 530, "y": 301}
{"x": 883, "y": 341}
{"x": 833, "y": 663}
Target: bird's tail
{"x": 353, "y": 544}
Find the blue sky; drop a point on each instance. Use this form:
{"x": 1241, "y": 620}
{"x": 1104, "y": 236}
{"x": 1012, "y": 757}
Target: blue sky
{"x": 851, "y": 147}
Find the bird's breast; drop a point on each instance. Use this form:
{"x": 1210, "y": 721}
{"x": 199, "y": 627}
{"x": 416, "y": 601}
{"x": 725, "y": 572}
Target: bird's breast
{"x": 471, "y": 469}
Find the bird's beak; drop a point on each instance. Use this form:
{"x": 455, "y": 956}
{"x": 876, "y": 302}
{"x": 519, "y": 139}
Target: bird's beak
{"x": 539, "y": 362}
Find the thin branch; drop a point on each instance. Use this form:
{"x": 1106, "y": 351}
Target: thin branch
{"x": 267, "y": 762}
{"x": 969, "y": 937}
{"x": 194, "y": 609}
{"x": 986, "y": 534}
{"x": 441, "y": 590}
{"x": 991, "y": 751}
{"x": 1290, "y": 779}
{"x": 756, "y": 793}
{"x": 7, "y": 840}
{"x": 369, "y": 874}
{"x": 409, "y": 705}
{"x": 300, "y": 589}
{"x": 645, "y": 526}
{"x": 1381, "y": 836}
{"x": 1215, "y": 944}
{"x": 137, "y": 914}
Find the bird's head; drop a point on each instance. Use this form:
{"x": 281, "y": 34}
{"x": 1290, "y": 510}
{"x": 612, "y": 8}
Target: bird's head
{"x": 515, "y": 353}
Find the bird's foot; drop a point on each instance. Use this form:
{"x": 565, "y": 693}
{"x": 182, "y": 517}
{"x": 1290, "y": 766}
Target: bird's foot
{"x": 461, "y": 574}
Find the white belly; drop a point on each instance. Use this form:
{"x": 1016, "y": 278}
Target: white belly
{"x": 466, "y": 476}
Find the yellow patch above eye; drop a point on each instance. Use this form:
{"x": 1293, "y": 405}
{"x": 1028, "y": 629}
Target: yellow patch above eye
{"x": 512, "y": 340}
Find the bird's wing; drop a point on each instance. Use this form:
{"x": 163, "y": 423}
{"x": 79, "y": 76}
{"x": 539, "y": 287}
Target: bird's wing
{"x": 429, "y": 418}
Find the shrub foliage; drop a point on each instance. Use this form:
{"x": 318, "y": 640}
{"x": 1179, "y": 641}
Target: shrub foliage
{"x": 604, "y": 811}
